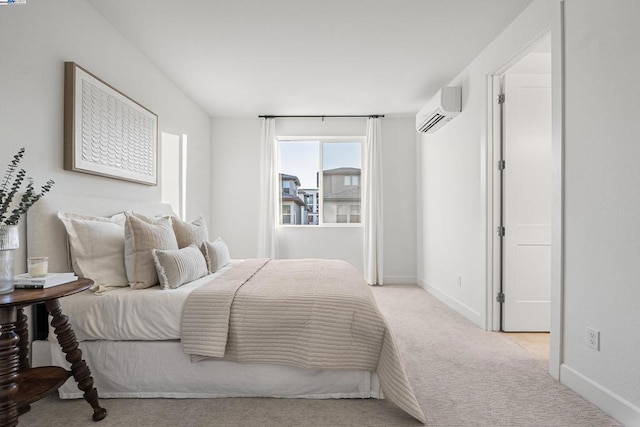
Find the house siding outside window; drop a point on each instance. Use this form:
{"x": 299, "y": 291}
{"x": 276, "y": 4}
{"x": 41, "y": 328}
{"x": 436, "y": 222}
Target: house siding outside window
{"x": 341, "y": 195}
{"x": 293, "y": 208}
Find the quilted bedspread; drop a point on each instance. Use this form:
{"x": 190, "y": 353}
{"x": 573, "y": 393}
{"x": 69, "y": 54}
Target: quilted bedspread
{"x": 311, "y": 313}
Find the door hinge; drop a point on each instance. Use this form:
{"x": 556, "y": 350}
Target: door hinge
{"x": 501, "y": 164}
{"x": 500, "y": 297}
{"x": 501, "y": 98}
{"x": 500, "y": 230}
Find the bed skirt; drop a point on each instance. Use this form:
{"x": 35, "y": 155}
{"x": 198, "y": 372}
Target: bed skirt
{"x": 160, "y": 369}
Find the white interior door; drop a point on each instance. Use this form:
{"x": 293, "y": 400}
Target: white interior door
{"x": 527, "y": 203}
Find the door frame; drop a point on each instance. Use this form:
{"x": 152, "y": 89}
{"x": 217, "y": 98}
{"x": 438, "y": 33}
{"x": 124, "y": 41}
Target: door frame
{"x": 492, "y": 180}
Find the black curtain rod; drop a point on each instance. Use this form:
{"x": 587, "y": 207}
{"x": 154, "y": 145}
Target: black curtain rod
{"x": 372, "y": 116}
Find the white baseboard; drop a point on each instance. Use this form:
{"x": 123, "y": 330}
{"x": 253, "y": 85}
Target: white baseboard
{"x": 400, "y": 280}
{"x": 614, "y": 405}
{"x": 455, "y": 304}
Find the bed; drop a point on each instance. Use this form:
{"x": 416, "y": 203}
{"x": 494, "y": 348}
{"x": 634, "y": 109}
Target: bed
{"x": 121, "y": 331}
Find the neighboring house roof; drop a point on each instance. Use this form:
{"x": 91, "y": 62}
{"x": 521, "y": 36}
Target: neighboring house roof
{"x": 342, "y": 171}
{"x": 344, "y": 195}
{"x": 285, "y": 177}
{"x": 286, "y": 197}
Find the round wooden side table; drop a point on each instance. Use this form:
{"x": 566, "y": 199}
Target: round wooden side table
{"x": 20, "y": 384}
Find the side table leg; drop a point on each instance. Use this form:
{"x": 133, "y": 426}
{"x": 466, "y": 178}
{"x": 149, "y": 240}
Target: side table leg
{"x": 22, "y": 329}
{"x": 9, "y": 363}
{"x": 79, "y": 369}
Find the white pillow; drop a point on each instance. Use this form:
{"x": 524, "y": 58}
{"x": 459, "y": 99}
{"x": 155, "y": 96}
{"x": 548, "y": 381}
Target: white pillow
{"x": 176, "y": 267}
{"x": 216, "y": 254}
{"x": 193, "y": 233}
{"x": 96, "y": 247}
{"x": 142, "y": 234}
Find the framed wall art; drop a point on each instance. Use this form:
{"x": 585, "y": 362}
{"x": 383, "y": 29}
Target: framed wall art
{"x": 107, "y": 133}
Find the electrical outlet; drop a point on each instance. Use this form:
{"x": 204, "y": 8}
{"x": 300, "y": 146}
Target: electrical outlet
{"x": 593, "y": 338}
{"x": 459, "y": 281}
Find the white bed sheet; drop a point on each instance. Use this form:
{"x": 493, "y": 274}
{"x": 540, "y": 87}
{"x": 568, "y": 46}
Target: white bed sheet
{"x": 130, "y": 314}
{"x": 152, "y": 369}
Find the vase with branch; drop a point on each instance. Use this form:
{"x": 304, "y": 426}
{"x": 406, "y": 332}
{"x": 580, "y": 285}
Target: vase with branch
{"x": 14, "y": 203}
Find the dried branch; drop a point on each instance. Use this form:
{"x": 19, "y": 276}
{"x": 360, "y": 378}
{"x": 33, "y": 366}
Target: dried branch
{"x": 10, "y": 187}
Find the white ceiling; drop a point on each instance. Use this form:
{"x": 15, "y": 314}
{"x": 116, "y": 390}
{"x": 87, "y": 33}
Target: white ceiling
{"x": 250, "y": 57}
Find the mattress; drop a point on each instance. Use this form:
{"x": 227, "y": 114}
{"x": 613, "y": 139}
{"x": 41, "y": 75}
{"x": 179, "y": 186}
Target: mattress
{"x": 122, "y": 332}
{"x": 125, "y": 314}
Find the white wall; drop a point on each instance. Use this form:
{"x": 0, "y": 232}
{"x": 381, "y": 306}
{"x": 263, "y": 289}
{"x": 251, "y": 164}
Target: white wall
{"x": 602, "y": 203}
{"x": 235, "y": 188}
{"x": 399, "y": 189}
{"x": 36, "y": 40}
{"x": 235, "y": 159}
{"x": 451, "y": 188}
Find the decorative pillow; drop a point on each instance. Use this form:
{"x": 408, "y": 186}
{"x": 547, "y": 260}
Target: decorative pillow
{"x": 142, "y": 234}
{"x": 96, "y": 246}
{"x": 194, "y": 233}
{"x": 216, "y": 254}
{"x": 176, "y": 267}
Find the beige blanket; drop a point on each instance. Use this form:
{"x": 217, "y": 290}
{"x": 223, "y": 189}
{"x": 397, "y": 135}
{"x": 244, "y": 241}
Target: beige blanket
{"x": 314, "y": 314}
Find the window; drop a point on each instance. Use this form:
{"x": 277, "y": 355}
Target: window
{"x": 326, "y": 172}
{"x": 309, "y": 200}
{"x": 173, "y": 172}
{"x": 354, "y": 213}
{"x": 286, "y": 187}
{"x": 351, "y": 180}
{"x": 286, "y": 214}
{"x": 342, "y": 214}
{"x": 348, "y": 214}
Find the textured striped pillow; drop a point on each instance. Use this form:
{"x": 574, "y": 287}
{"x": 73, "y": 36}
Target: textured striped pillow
{"x": 216, "y": 254}
{"x": 141, "y": 235}
{"x": 176, "y": 267}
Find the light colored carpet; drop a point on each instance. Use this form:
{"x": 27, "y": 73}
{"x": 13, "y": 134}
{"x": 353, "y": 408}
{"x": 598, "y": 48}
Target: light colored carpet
{"x": 462, "y": 376}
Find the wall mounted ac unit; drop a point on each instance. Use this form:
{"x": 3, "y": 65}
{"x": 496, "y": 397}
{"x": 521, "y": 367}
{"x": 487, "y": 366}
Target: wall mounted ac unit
{"x": 432, "y": 117}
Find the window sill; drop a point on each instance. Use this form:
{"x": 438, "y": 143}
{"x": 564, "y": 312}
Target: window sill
{"x": 359, "y": 225}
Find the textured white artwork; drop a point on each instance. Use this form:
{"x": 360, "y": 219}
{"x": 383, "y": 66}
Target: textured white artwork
{"x": 113, "y": 135}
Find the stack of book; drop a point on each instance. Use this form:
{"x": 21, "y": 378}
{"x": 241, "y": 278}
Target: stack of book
{"x": 24, "y": 281}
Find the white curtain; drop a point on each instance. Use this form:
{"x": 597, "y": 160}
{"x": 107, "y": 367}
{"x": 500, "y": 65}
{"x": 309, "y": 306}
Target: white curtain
{"x": 269, "y": 191}
{"x": 372, "y": 203}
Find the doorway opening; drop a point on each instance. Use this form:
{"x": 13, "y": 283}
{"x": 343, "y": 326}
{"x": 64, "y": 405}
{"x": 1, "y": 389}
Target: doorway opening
{"x": 521, "y": 192}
